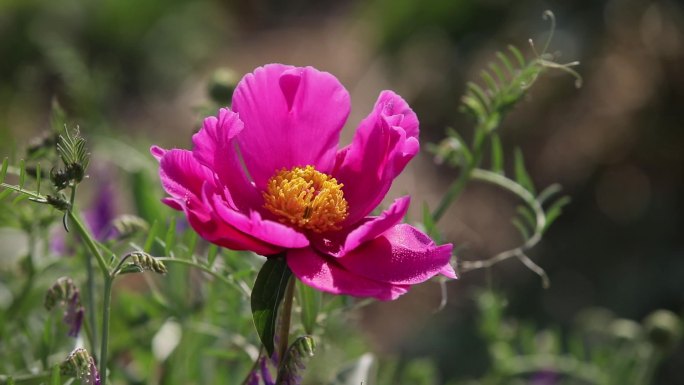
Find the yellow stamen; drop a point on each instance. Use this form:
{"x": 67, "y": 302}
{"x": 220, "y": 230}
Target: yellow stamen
{"x": 306, "y": 198}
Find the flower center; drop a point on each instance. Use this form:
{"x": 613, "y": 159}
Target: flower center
{"x": 306, "y": 198}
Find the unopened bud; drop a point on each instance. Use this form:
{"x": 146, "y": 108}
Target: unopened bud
{"x": 664, "y": 329}
{"x": 139, "y": 261}
{"x": 81, "y": 365}
{"x": 222, "y": 85}
{"x": 65, "y": 293}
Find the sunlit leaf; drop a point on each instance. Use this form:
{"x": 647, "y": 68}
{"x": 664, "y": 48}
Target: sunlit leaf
{"x": 268, "y": 293}
{"x": 521, "y": 175}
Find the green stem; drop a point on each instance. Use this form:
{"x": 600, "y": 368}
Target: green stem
{"x": 285, "y": 317}
{"x": 37, "y": 378}
{"x": 206, "y": 269}
{"x": 89, "y": 242}
{"x": 106, "y": 307}
{"x": 460, "y": 183}
{"x": 540, "y": 223}
{"x": 92, "y": 319}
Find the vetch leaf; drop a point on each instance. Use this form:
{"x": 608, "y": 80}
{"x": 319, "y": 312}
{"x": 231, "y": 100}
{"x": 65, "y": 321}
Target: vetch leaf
{"x": 555, "y": 210}
{"x": 268, "y": 292}
{"x": 521, "y": 175}
{"x": 497, "y": 154}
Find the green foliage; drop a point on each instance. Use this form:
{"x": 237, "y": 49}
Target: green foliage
{"x": 267, "y": 294}
{"x": 599, "y": 349}
{"x": 505, "y": 82}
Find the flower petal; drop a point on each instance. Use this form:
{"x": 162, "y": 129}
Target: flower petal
{"x": 182, "y": 176}
{"x": 185, "y": 180}
{"x": 373, "y": 228}
{"x": 324, "y": 274}
{"x": 267, "y": 231}
{"x": 402, "y": 255}
{"x": 383, "y": 144}
{"x": 215, "y": 148}
{"x": 293, "y": 117}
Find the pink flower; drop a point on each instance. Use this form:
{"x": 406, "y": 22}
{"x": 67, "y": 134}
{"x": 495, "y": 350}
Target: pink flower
{"x": 268, "y": 177}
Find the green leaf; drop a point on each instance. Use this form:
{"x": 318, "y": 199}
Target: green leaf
{"x": 498, "y": 72}
{"x": 478, "y": 92}
{"x": 504, "y": 60}
{"x": 518, "y": 55}
{"x": 548, "y": 193}
{"x": 22, "y": 173}
{"x": 149, "y": 241}
{"x": 521, "y": 175}
{"x": 3, "y": 171}
{"x": 170, "y": 238}
{"x": 310, "y": 301}
{"x": 268, "y": 292}
{"x": 555, "y": 210}
{"x": 497, "y": 154}
{"x": 211, "y": 254}
{"x": 429, "y": 223}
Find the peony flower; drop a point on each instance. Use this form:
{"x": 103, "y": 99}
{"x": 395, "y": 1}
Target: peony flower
{"x": 268, "y": 176}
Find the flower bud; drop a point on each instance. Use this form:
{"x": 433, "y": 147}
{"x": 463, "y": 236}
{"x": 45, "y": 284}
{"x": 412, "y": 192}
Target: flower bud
{"x": 625, "y": 329}
{"x": 65, "y": 293}
{"x": 222, "y": 85}
{"x": 81, "y": 365}
{"x": 664, "y": 329}
{"x": 139, "y": 261}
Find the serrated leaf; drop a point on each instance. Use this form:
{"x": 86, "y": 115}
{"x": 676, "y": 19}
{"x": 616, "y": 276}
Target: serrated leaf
{"x": 518, "y": 55}
{"x": 548, "y": 193}
{"x": 504, "y": 60}
{"x": 268, "y": 293}
{"x": 497, "y": 154}
{"x": 479, "y": 93}
{"x": 521, "y": 175}
{"x": 310, "y": 302}
{"x": 499, "y": 74}
{"x": 492, "y": 85}
{"x": 474, "y": 105}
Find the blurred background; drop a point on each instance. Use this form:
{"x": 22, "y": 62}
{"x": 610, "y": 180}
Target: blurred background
{"x": 138, "y": 70}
